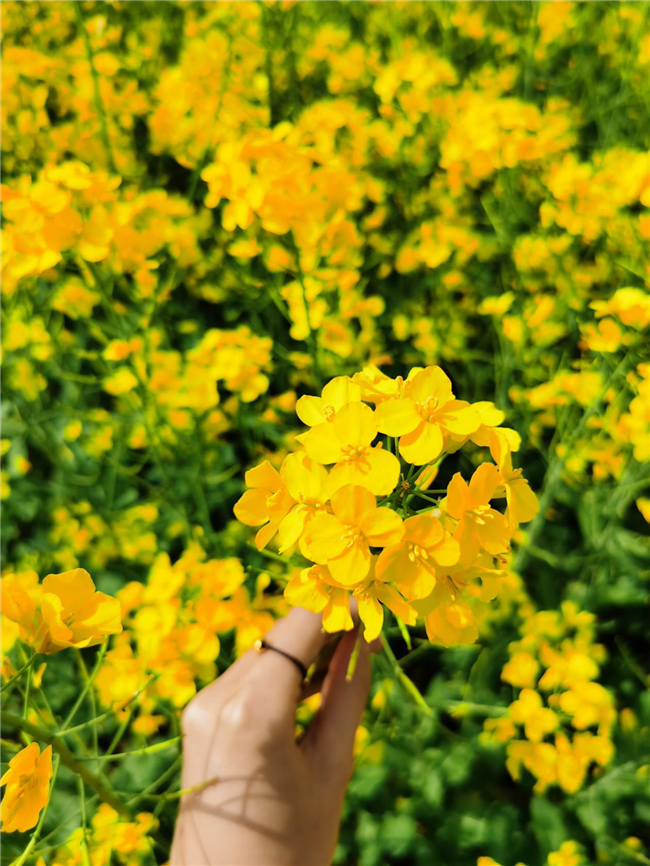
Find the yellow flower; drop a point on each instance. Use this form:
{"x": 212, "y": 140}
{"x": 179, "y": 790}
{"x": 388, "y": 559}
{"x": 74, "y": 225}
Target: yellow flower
{"x": 426, "y": 411}
{"x": 336, "y": 394}
{"x": 630, "y": 304}
{"x": 448, "y": 619}
{"x": 411, "y": 563}
{"x": 28, "y": 788}
{"x": 307, "y": 482}
{"x": 530, "y": 712}
{"x": 479, "y": 525}
{"x": 267, "y": 503}
{"x": 315, "y": 590}
{"x": 346, "y": 441}
{"x": 521, "y": 671}
{"x": 643, "y": 504}
{"x": 371, "y": 595}
{"x": 64, "y": 611}
{"x": 120, "y": 382}
{"x": 522, "y": 502}
{"x": 342, "y": 540}
{"x": 568, "y": 854}
{"x": 73, "y": 613}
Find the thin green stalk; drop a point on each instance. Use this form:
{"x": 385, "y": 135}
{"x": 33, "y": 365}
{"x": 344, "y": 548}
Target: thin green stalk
{"x": 476, "y": 709}
{"x": 84, "y": 829}
{"x": 57, "y": 829}
{"x": 19, "y": 673}
{"x": 67, "y": 758}
{"x": 176, "y": 795}
{"x": 111, "y": 712}
{"x": 416, "y": 654}
{"x": 155, "y": 784}
{"x": 88, "y": 681}
{"x": 146, "y": 750}
{"x": 28, "y": 686}
{"x": 406, "y": 682}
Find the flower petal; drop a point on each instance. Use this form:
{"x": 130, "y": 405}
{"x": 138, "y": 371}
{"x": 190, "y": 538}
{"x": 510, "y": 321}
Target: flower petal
{"x": 431, "y": 382}
{"x": 72, "y": 587}
{"x": 264, "y": 476}
{"x": 522, "y": 502}
{"x": 447, "y": 552}
{"x": 394, "y": 601}
{"x": 423, "y": 529}
{"x": 322, "y": 444}
{"x": 324, "y": 537}
{"x": 378, "y": 470}
{"x": 457, "y": 496}
{"x": 352, "y": 502}
{"x": 352, "y": 566}
{"x": 336, "y": 616}
{"x": 371, "y": 614}
{"x": 382, "y": 527}
{"x": 423, "y": 445}
{"x": 339, "y": 391}
{"x": 310, "y": 410}
{"x": 251, "y": 507}
{"x": 306, "y": 591}
{"x": 484, "y": 482}
{"x": 397, "y": 417}
{"x": 303, "y": 476}
{"x": 291, "y": 528}
{"x": 355, "y": 425}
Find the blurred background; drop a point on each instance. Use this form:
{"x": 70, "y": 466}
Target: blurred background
{"x": 211, "y": 209}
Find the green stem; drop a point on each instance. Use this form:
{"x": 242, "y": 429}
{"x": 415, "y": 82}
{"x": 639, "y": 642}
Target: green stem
{"x": 148, "y": 791}
{"x": 146, "y": 750}
{"x": 67, "y": 758}
{"x": 407, "y": 683}
{"x": 111, "y": 712}
{"x": 19, "y": 673}
{"x": 88, "y": 681}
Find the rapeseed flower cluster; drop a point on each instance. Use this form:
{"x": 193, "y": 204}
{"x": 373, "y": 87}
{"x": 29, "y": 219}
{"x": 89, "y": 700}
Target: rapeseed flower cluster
{"x": 365, "y": 524}
{"x": 562, "y": 720}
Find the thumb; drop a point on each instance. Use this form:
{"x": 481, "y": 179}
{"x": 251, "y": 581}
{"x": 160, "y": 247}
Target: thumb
{"x": 330, "y": 737}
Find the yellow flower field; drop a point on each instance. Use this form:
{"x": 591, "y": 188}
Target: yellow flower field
{"x": 311, "y": 303}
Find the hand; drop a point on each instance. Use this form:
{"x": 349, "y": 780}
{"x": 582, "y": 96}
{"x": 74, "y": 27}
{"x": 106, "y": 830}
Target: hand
{"x": 275, "y": 802}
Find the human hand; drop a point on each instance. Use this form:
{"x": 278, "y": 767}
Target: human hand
{"x": 275, "y": 802}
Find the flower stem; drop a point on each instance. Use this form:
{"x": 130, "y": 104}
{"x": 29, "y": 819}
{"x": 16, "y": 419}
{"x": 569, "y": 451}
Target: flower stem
{"x": 13, "y": 721}
{"x": 406, "y": 682}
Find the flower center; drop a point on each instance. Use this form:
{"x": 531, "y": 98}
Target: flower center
{"x": 480, "y": 513}
{"x": 417, "y": 552}
{"x": 308, "y": 505}
{"x": 329, "y": 412}
{"x": 351, "y": 536}
{"x": 353, "y": 452}
{"x": 426, "y": 409}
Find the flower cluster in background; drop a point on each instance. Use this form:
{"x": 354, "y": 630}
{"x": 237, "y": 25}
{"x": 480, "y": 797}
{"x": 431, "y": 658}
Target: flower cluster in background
{"x": 241, "y": 244}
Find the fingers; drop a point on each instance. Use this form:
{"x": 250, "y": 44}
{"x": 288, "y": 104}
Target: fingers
{"x": 277, "y": 680}
{"x": 301, "y": 635}
{"x": 330, "y": 737}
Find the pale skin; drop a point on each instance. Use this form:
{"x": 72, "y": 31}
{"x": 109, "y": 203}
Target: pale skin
{"x": 270, "y": 800}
